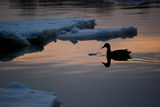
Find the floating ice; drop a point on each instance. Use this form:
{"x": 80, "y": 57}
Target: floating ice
{"x": 41, "y": 30}
{"x": 16, "y": 85}
{"x": 99, "y": 34}
{"x": 92, "y": 54}
{"x": 18, "y": 95}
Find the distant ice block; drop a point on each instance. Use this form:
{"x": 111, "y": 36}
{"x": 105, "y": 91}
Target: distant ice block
{"x": 99, "y": 34}
{"x": 18, "y": 95}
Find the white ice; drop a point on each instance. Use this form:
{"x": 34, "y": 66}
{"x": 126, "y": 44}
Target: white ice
{"x": 98, "y": 34}
{"x": 18, "y": 95}
{"x": 26, "y": 32}
{"x": 41, "y": 28}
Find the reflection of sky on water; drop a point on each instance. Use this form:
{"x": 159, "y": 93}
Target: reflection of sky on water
{"x": 128, "y": 83}
{"x": 146, "y": 58}
{"x": 78, "y": 54}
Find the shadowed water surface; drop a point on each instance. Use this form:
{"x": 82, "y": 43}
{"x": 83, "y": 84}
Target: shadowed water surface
{"x": 82, "y": 80}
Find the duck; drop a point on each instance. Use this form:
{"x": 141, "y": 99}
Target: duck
{"x": 119, "y": 55}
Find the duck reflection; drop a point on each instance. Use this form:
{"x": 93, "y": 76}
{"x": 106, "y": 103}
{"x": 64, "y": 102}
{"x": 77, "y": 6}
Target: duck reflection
{"x": 118, "y": 55}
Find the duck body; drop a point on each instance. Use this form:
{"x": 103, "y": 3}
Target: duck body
{"x": 120, "y": 55}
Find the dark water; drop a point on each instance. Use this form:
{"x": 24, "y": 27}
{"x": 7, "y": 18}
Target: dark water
{"x": 82, "y": 80}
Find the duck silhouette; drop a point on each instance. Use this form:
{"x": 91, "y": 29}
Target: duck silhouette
{"x": 118, "y": 55}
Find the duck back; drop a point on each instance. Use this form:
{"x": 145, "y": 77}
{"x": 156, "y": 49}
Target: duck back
{"x": 121, "y": 55}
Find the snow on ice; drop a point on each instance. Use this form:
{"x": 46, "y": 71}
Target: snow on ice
{"x": 98, "y": 34}
{"x": 18, "y": 95}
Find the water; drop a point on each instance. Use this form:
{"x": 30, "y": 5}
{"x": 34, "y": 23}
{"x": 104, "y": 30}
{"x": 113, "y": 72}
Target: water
{"x": 82, "y": 80}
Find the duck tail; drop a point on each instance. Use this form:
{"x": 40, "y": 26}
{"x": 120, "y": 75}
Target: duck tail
{"x": 129, "y": 52}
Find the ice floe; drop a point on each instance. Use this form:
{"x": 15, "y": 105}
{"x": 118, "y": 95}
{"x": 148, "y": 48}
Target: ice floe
{"x": 18, "y": 95}
{"x": 92, "y": 54}
{"x": 98, "y": 34}
{"x": 37, "y": 30}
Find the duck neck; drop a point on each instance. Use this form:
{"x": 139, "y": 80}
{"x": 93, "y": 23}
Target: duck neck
{"x": 108, "y": 50}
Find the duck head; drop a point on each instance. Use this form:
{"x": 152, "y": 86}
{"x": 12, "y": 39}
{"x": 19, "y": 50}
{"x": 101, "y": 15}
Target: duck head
{"x": 107, "y": 45}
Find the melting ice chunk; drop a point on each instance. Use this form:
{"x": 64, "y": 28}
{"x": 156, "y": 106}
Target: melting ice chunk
{"x": 92, "y": 54}
{"x": 99, "y": 34}
{"x": 18, "y": 95}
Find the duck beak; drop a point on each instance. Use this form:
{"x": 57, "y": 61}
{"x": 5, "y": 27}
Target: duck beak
{"x": 102, "y": 47}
